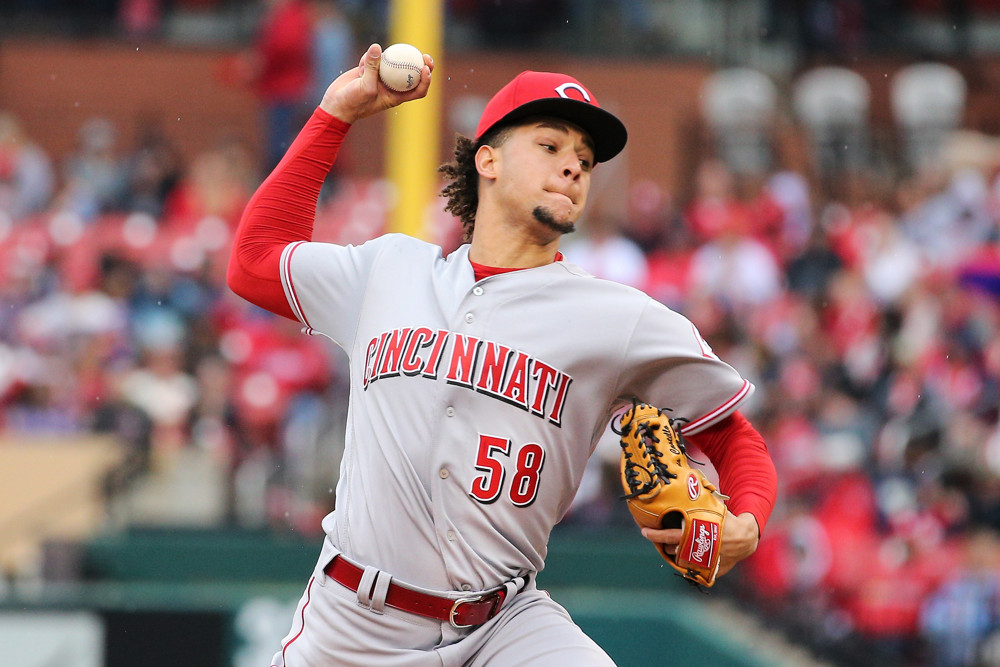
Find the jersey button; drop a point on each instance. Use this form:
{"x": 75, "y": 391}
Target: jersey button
{"x": 466, "y": 587}
{"x": 469, "y": 318}
{"x": 451, "y": 536}
{"x": 444, "y": 473}
{"x": 477, "y": 290}
{"x": 450, "y": 411}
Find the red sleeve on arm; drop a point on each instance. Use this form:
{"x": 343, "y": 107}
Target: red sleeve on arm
{"x": 282, "y": 211}
{"x": 746, "y": 472}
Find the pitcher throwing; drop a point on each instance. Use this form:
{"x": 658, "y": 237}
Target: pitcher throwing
{"x": 481, "y": 382}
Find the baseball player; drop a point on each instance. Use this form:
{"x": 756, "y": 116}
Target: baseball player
{"x": 481, "y": 382}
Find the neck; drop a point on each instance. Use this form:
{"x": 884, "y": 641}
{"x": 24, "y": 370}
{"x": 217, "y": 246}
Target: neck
{"x": 502, "y": 248}
{"x": 500, "y": 242}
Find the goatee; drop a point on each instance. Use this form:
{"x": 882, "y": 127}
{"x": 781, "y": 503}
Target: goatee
{"x": 544, "y": 216}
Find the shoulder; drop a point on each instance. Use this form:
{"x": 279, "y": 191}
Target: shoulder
{"x": 399, "y": 245}
{"x": 585, "y": 280}
{"x": 405, "y": 243}
{"x": 401, "y": 249}
{"x": 404, "y": 240}
{"x": 396, "y": 248}
{"x": 612, "y": 299}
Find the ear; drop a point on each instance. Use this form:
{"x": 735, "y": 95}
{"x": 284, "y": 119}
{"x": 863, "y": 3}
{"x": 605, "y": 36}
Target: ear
{"x": 487, "y": 158}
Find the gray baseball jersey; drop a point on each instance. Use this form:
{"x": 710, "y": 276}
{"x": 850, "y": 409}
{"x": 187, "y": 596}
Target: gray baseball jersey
{"x": 474, "y": 406}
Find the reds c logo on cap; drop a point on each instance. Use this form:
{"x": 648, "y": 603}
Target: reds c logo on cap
{"x": 561, "y": 91}
{"x": 550, "y": 94}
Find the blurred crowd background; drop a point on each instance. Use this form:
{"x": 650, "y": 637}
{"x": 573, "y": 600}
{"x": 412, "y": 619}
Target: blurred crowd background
{"x": 857, "y": 286}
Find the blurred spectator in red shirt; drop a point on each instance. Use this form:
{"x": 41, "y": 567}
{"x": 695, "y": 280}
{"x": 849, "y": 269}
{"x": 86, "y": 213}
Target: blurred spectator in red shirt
{"x": 657, "y": 228}
{"x": 715, "y": 208}
{"x": 217, "y": 184}
{"x": 282, "y": 72}
{"x": 140, "y": 18}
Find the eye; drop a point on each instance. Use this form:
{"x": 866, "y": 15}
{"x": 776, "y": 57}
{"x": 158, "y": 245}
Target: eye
{"x": 586, "y": 164}
{"x": 549, "y": 147}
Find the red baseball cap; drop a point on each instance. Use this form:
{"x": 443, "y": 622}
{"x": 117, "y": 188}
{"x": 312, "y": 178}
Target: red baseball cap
{"x": 558, "y": 96}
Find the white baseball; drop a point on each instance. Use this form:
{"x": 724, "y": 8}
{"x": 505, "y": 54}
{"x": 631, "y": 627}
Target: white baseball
{"x": 400, "y": 67}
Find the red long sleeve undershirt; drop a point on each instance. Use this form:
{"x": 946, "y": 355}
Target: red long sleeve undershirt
{"x": 746, "y": 472}
{"x": 283, "y": 211}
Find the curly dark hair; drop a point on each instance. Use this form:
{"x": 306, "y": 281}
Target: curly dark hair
{"x": 462, "y": 189}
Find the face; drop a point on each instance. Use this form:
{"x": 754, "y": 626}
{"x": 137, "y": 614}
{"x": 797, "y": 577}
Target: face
{"x": 542, "y": 174}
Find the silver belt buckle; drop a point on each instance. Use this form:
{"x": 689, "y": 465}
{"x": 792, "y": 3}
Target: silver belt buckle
{"x": 454, "y": 609}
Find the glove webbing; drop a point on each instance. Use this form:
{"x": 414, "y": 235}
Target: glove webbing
{"x": 659, "y": 472}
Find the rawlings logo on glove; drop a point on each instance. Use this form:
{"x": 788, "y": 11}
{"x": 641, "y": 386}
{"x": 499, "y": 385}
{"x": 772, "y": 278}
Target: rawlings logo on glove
{"x": 663, "y": 491}
{"x": 705, "y": 537}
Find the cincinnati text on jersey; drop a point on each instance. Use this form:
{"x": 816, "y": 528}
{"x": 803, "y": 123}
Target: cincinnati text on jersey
{"x": 485, "y": 366}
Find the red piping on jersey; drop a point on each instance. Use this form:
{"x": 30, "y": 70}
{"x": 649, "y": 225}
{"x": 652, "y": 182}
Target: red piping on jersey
{"x": 722, "y": 409}
{"x": 293, "y": 296}
{"x": 303, "y": 616}
{"x": 746, "y": 472}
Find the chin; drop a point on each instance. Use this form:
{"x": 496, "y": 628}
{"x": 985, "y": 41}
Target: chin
{"x": 546, "y": 217}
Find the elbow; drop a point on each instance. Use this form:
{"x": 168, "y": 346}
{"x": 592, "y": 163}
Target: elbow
{"x": 236, "y": 276}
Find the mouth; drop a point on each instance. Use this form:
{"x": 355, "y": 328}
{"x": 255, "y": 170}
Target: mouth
{"x": 563, "y": 195}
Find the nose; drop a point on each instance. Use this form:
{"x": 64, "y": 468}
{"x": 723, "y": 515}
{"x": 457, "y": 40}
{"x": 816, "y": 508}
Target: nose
{"x": 572, "y": 169}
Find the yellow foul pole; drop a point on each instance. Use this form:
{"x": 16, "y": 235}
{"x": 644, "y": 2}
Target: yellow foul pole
{"x": 412, "y": 139}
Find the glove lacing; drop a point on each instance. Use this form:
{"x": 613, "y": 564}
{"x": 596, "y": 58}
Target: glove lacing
{"x": 645, "y": 432}
{"x": 658, "y": 472}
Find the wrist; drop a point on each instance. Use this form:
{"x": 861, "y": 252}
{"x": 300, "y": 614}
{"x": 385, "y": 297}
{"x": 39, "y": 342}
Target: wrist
{"x": 331, "y": 120}
{"x": 337, "y": 111}
{"x": 752, "y": 524}
{"x": 746, "y": 533}
{"x": 753, "y": 530}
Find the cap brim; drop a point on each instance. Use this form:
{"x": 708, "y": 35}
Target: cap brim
{"x": 606, "y": 131}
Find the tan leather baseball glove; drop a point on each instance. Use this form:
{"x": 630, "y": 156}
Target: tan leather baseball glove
{"x": 663, "y": 491}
